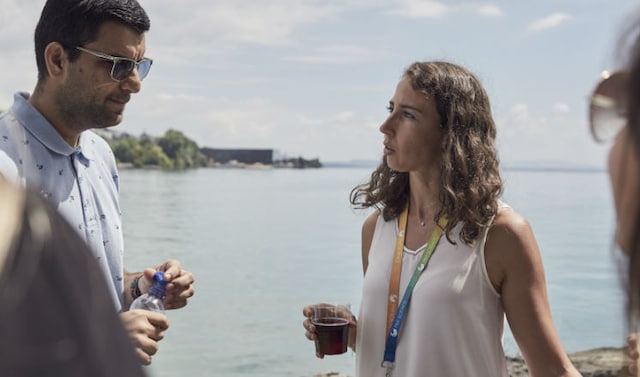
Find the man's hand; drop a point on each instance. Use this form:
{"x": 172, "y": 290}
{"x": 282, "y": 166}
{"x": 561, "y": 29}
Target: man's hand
{"x": 179, "y": 283}
{"x": 145, "y": 329}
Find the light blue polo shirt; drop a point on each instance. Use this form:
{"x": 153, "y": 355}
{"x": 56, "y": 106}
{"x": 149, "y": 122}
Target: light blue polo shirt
{"x": 81, "y": 182}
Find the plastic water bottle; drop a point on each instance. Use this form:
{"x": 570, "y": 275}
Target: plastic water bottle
{"x": 153, "y": 300}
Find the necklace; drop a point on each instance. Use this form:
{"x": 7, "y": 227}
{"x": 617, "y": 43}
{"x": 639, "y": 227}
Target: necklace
{"x": 421, "y": 218}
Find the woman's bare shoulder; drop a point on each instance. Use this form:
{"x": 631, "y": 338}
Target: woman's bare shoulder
{"x": 371, "y": 220}
{"x": 509, "y": 226}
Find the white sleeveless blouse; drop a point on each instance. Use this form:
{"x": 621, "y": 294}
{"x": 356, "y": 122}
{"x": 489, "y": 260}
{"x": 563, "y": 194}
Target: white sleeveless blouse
{"x": 454, "y": 322}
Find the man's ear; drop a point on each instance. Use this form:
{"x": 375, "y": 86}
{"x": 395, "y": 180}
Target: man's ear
{"x": 56, "y": 59}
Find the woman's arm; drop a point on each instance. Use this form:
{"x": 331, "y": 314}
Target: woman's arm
{"x": 515, "y": 269}
{"x": 368, "y": 227}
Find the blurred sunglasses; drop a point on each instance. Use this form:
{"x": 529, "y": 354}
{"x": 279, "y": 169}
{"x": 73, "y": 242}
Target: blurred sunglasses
{"x": 608, "y": 106}
{"x": 122, "y": 67}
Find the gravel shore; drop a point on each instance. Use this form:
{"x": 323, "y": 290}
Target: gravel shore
{"x": 598, "y": 362}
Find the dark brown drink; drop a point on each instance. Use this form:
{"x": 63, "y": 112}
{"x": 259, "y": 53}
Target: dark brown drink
{"x": 333, "y": 335}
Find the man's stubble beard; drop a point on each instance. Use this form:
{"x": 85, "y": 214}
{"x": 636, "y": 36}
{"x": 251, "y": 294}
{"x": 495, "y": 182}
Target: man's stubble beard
{"x": 82, "y": 110}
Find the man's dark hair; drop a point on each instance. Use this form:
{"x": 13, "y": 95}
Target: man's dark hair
{"x": 76, "y": 22}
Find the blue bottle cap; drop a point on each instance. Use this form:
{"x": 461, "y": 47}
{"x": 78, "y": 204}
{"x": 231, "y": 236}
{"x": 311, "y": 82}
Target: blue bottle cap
{"x": 158, "y": 277}
{"x": 159, "y": 285}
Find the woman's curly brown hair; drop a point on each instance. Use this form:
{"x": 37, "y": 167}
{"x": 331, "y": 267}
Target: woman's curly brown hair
{"x": 471, "y": 183}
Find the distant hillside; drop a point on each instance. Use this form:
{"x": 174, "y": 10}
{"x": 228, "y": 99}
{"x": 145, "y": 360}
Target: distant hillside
{"x": 551, "y": 166}
{"x": 353, "y": 164}
{"x": 514, "y": 166}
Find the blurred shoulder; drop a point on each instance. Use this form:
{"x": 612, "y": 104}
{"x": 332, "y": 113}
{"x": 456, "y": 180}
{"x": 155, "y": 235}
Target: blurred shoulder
{"x": 8, "y": 168}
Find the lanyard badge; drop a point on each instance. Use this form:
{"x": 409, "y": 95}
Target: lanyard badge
{"x": 396, "y": 311}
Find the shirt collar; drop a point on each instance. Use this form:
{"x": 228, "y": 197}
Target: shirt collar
{"x": 34, "y": 122}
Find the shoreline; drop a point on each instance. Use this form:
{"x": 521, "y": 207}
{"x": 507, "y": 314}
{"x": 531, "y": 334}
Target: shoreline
{"x": 596, "y": 362}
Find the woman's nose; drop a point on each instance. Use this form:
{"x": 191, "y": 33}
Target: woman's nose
{"x": 386, "y": 126}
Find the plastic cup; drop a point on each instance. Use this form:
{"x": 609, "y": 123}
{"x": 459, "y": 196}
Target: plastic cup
{"x": 332, "y": 328}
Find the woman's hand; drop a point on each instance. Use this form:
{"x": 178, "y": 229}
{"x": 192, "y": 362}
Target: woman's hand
{"x": 341, "y": 311}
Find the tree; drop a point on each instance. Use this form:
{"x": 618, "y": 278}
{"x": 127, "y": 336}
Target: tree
{"x": 172, "y": 151}
{"x": 183, "y": 151}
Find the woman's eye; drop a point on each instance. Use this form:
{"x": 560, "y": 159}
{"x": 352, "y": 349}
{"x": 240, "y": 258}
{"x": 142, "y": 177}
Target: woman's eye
{"x": 407, "y": 114}
{"x": 390, "y": 109}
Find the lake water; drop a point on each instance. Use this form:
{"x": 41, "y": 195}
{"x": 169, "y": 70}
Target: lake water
{"x": 264, "y": 243}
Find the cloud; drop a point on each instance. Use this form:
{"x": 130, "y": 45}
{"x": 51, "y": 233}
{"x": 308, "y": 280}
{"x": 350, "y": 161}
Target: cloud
{"x": 549, "y": 22}
{"x": 520, "y": 113}
{"x": 561, "y": 108}
{"x": 231, "y": 74}
{"x": 339, "y": 54}
{"x": 517, "y": 126}
{"x": 525, "y": 135}
{"x": 251, "y": 22}
{"x": 489, "y": 10}
{"x": 435, "y": 9}
{"x": 421, "y": 9}
{"x": 22, "y": 78}
{"x": 256, "y": 122}
{"x": 344, "y": 116}
{"x": 14, "y": 15}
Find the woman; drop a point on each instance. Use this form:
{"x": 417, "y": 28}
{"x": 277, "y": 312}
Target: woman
{"x": 440, "y": 171}
{"x": 614, "y": 115}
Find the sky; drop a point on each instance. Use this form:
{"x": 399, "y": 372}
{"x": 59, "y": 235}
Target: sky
{"x": 313, "y": 78}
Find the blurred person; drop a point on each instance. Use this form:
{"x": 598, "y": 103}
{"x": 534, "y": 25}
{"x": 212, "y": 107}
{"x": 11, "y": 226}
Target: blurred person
{"x": 614, "y": 117}
{"x": 57, "y": 318}
{"x": 91, "y": 59}
{"x": 444, "y": 259}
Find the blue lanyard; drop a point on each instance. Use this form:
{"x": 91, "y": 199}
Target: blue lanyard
{"x": 394, "y": 330}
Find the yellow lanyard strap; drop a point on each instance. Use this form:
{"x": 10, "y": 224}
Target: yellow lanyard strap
{"x": 396, "y": 268}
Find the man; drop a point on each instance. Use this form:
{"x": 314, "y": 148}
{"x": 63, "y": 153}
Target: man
{"x": 90, "y": 57}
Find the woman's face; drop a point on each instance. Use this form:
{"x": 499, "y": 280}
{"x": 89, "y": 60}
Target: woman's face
{"x": 412, "y": 132}
{"x": 625, "y": 182}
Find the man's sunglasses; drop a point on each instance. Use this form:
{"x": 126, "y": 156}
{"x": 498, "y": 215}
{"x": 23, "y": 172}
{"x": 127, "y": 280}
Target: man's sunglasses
{"x": 608, "y": 106}
{"x": 122, "y": 67}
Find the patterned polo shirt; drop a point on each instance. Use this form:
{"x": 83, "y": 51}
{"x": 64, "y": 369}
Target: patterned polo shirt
{"x": 82, "y": 182}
